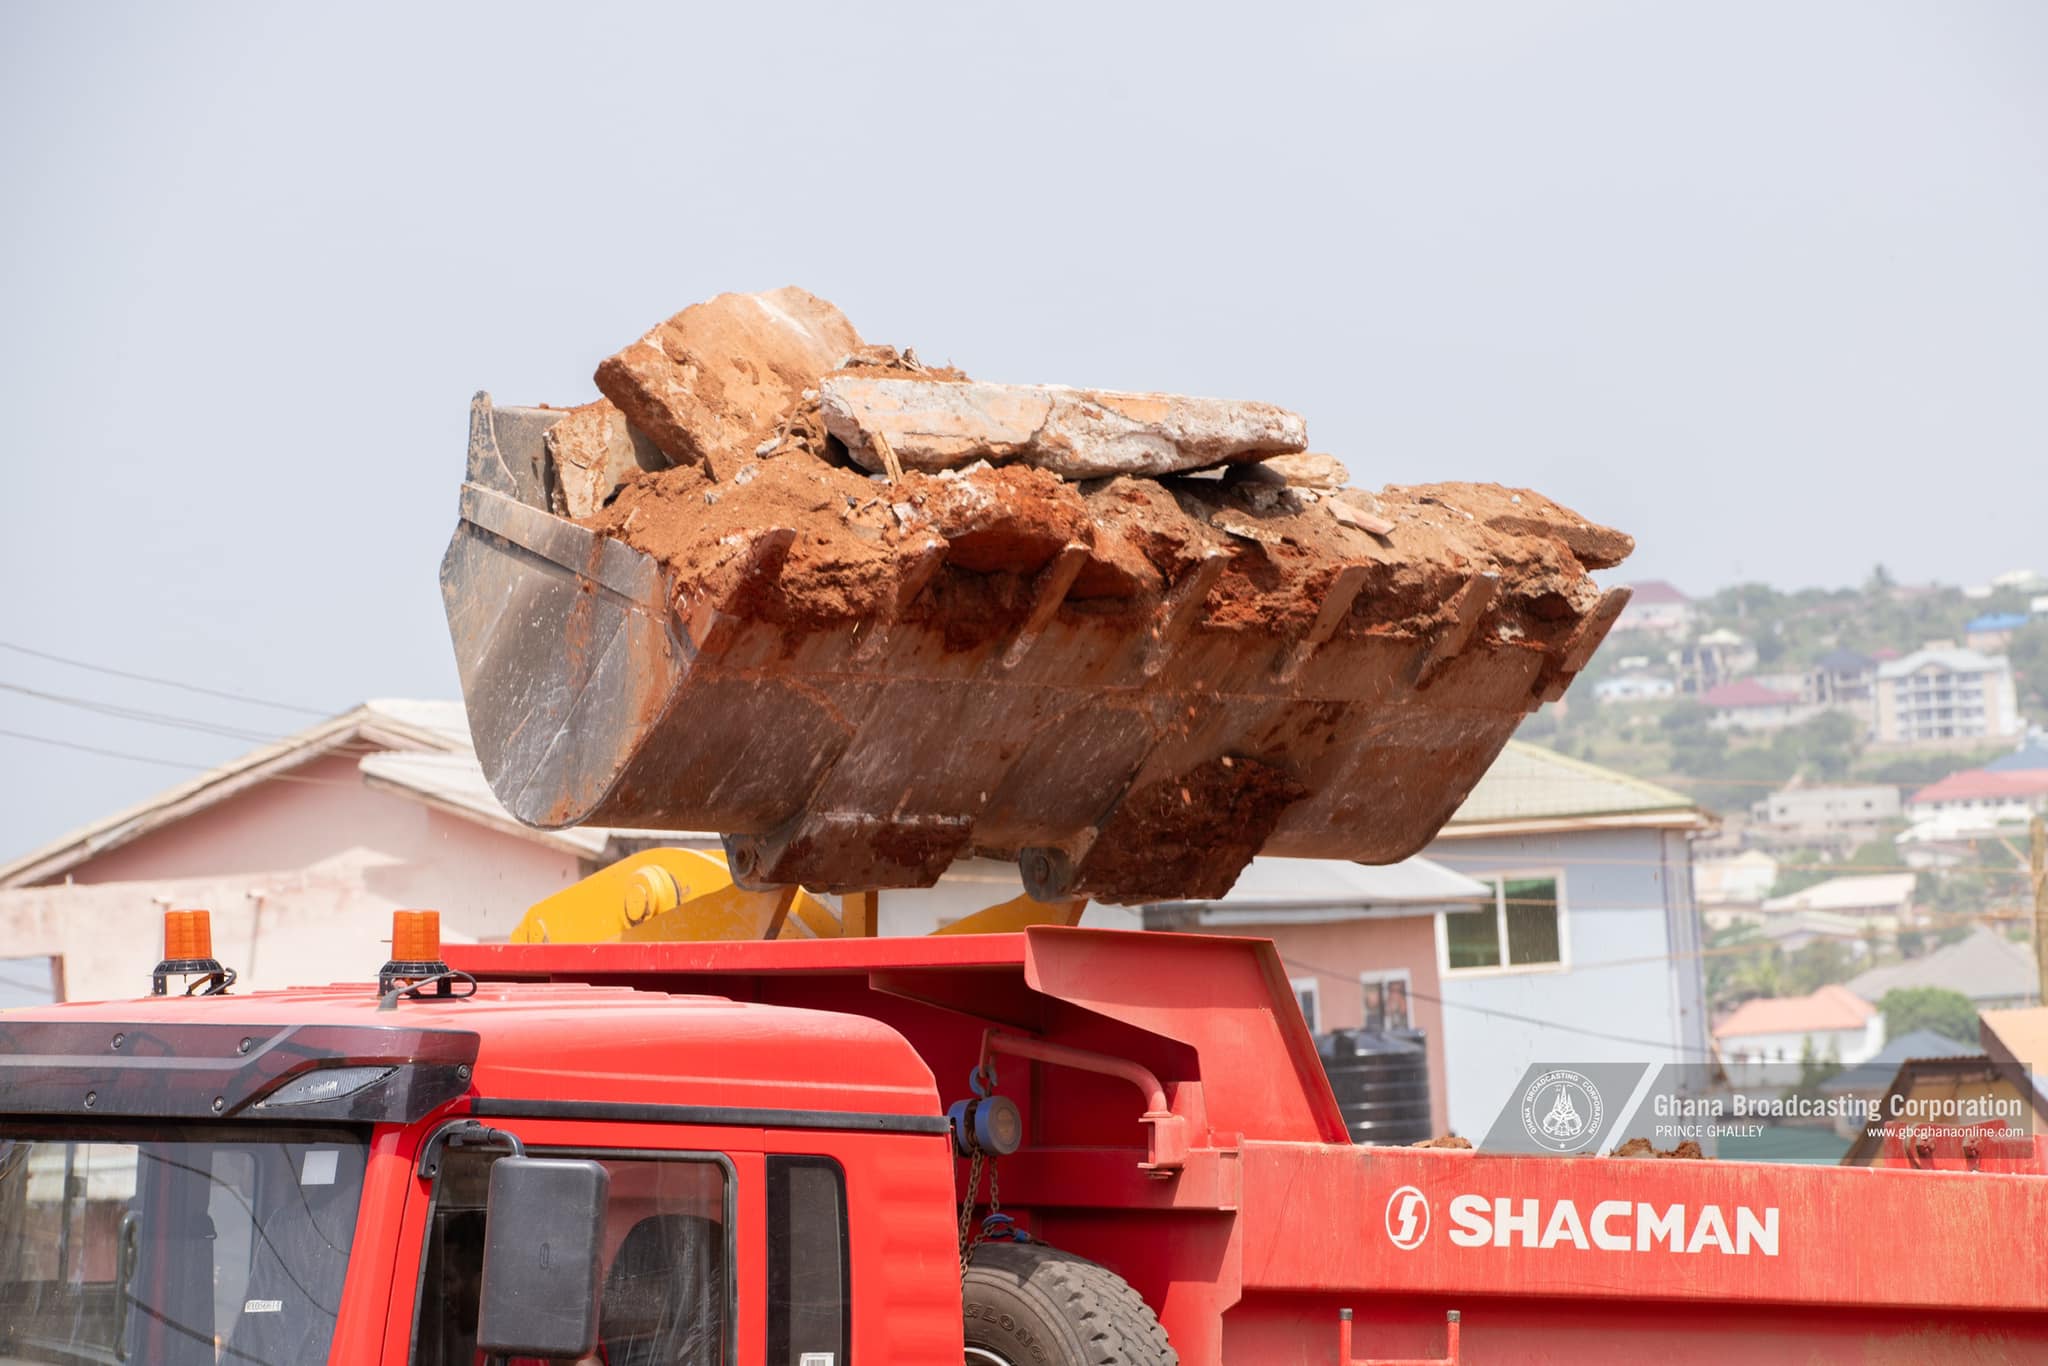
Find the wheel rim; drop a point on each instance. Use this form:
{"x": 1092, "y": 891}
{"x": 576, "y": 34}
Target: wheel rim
{"x": 982, "y": 1356}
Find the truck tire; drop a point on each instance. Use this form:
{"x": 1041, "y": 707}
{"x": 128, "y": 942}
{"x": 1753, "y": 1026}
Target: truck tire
{"x": 1027, "y": 1304}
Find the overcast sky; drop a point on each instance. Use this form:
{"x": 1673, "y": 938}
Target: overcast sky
{"x": 1763, "y": 284}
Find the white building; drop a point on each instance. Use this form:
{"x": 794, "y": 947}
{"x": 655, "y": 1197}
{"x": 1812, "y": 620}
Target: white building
{"x": 1944, "y": 695}
{"x": 1824, "y": 815}
{"x": 1748, "y": 705}
{"x": 1743, "y": 879}
{"x": 1764, "y": 1039}
{"x": 1980, "y": 800}
{"x": 1634, "y": 687}
{"x": 1879, "y": 900}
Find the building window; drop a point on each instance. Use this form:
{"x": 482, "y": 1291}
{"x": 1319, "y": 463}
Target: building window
{"x": 1525, "y": 930}
{"x": 1308, "y": 996}
{"x": 1386, "y": 998}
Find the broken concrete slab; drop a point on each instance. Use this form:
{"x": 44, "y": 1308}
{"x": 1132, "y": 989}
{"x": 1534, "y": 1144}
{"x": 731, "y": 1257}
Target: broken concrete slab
{"x": 713, "y": 382}
{"x": 1307, "y": 470}
{"x": 1074, "y": 433}
{"x": 1359, "y": 510}
{"x": 591, "y": 452}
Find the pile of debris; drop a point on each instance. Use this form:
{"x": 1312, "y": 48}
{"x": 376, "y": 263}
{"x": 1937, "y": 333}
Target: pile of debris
{"x": 917, "y": 492}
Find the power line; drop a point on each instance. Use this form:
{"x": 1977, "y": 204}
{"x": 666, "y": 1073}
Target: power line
{"x": 165, "y": 682}
{"x": 165, "y": 763}
{"x": 109, "y": 753}
{"x": 1489, "y": 1011}
{"x": 144, "y": 715}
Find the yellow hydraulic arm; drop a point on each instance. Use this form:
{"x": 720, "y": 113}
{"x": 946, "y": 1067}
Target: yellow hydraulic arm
{"x": 666, "y": 895}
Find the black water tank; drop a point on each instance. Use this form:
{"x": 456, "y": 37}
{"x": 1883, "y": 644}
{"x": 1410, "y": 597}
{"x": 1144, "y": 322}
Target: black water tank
{"x": 1381, "y": 1078}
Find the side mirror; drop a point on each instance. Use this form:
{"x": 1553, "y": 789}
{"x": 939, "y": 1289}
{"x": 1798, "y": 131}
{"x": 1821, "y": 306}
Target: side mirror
{"x": 543, "y": 1258}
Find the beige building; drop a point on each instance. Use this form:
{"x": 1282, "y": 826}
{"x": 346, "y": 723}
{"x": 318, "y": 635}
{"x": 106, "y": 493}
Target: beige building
{"x": 1838, "y": 817}
{"x": 1943, "y": 695}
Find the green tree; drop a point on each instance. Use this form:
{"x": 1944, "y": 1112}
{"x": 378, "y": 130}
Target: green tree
{"x": 2029, "y": 655}
{"x": 1948, "y": 1013}
{"x": 1824, "y": 747}
{"x": 1814, "y": 1069}
{"x": 1815, "y": 966}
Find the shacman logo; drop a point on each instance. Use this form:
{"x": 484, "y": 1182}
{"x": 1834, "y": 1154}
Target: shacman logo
{"x": 1561, "y": 1110}
{"x": 1501, "y": 1221}
{"x": 1407, "y": 1218}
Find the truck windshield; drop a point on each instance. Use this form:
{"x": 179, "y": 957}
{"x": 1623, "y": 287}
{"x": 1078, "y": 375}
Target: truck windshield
{"x": 180, "y": 1244}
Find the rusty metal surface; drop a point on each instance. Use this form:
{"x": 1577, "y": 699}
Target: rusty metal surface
{"x": 847, "y": 759}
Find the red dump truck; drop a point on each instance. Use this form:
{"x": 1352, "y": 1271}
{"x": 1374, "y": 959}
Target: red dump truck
{"x": 782, "y": 1152}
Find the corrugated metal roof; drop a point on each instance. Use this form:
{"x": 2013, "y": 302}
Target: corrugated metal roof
{"x": 1830, "y": 1008}
{"x": 1655, "y": 591}
{"x": 457, "y": 781}
{"x": 1998, "y": 621}
{"x": 1531, "y": 783}
{"x": 1277, "y": 890}
{"x": 1747, "y": 692}
{"x": 2024, "y": 760}
{"x": 1984, "y": 967}
{"x": 1875, "y": 1074}
{"x": 394, "y": 723}
{"x": 1863, "y": 892}
{"x": 1949, "y": 658}
{"x": 1983, "y": 784}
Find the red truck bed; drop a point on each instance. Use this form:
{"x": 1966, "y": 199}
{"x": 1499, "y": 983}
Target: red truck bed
{"x": 1274, "y": 1222}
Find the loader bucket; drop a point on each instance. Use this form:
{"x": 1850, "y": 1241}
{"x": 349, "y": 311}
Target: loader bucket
{"x": 1128, "y": 756}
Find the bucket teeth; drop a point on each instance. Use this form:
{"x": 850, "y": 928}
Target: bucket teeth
{"x": 1344, "y": 590}
{"x": 1182, "y": 608}
{"x": 714, "y": 626}
{"x": 1048, "y": 592}
{"x": 1466, "y": 610}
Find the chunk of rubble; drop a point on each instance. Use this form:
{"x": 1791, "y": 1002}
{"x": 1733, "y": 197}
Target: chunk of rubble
{"x": 714, "y": 382}
{"x": 1308, "y": 470}
{"x": 1524, "y": 512}
{"x": 591, "y": 452}
{"x": 1075, "y": 433}
{"x": 1358, "y": 510}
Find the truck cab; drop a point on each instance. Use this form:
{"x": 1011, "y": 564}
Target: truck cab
{"x": 302, "y": 1176}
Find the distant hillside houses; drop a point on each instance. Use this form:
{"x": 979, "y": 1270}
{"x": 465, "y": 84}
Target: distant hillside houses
{"x": 1718, "y": 657}
{"x": 1846, "y": 679}
{"x": 1746, "y": 704}
{"x": 1634, "y": 686}
{"x": 1982, "y": 798}
{"x": 1993, "y": 631}
{"x": 1823, "y": 817}
{"x": 1658, "y": 608}
{"x": 1879, "y": 901}
{"x": 1763, "y": 676}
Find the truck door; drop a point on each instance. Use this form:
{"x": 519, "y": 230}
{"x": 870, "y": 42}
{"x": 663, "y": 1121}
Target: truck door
{"x": 713, "y": 1257}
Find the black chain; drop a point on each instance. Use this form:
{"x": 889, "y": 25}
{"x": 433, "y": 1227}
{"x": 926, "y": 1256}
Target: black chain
{"x": 972, "y": 1235}
{"x": 967, "y": 1240}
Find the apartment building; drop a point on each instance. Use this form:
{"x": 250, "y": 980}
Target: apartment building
{"x": 1945, "y": 695}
